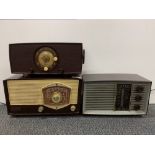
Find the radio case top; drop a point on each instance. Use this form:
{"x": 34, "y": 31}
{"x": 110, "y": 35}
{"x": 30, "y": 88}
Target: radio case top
{"x": 46, "y": 58}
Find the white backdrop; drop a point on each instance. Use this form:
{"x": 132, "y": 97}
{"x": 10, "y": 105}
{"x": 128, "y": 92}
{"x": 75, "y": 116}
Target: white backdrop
{"x": 112, "y": 46}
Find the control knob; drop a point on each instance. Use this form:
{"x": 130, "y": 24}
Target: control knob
{"x": 136, "y": 107}
{"x": 139, "y": 89}
{"x": 138, "y": 98}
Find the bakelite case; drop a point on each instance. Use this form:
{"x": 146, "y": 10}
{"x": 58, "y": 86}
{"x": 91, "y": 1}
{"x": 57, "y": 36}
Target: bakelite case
{"x": 43, "y": 95}
{"x": 46, "y": 58}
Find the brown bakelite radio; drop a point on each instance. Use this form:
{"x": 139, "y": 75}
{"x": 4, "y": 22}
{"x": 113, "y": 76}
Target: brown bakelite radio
{"x": 40, "y": 95}
{"x": 46, "y": 58}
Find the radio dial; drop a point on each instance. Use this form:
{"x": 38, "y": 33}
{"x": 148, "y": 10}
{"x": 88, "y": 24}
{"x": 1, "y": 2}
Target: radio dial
{"x": 46, "y": 59}
{"x": 56, "y": 97}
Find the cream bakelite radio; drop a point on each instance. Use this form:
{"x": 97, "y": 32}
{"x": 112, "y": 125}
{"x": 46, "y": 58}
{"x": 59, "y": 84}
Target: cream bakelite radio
{"x": 43, "y": 96}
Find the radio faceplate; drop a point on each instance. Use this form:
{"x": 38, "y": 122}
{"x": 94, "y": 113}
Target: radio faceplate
{"x": 109, "y": 94}
{"x": 57, "y": 95}
{"x": 123, "y": 97}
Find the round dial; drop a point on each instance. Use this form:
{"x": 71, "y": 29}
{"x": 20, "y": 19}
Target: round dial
{"x": 56, "y": 97}
{"x": 46, "y": 58}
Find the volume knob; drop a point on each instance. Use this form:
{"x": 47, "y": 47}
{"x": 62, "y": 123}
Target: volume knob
{"x": 40, "y": 109}
{"x": 45, "y": 68}
{"x": 136, "y": 107}
{"x": 138, "y": 98}
{"x": 72, "y": 108}
{"x": 139, "y": 89}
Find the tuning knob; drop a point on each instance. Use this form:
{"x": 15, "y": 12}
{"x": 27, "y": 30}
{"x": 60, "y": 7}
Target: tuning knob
{"x": 136, "y": 107}
{"x": 41, "y": 109}
{"x": 138, "y": 98}
{"x": 139, "y": 89}
{"x": 73, "y": 108}
{"x": 55, "y": 58}
{"x": 45, "y": 69}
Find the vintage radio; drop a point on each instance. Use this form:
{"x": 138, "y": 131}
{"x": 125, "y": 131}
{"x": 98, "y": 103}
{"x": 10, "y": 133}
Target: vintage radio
{"x": 46, "y": 58}
{"x": 33, "y": 95}
{"x": 115, "y": 94}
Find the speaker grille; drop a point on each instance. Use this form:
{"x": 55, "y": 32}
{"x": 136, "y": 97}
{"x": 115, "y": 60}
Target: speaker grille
{"x": 99, "y": 96}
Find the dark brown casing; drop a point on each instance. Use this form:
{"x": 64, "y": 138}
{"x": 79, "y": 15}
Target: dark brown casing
{"x": 22, "y": 110}
{"x": 70, "y": 58}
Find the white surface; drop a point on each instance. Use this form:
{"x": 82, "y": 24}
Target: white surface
{"x": 112, "y": 46}
{"x": 112, "y": 112}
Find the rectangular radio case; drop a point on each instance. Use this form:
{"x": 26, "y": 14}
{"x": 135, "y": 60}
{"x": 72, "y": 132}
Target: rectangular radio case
{"x": 46, "y": 58}
{"x": 33, "y": 95}
{"x": 115, "y": 94}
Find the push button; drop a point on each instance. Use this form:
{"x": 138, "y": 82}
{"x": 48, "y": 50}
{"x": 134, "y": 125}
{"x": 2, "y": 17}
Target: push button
{"x": 139, "y": 89}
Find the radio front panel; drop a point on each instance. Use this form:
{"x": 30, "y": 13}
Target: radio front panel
{"x": 116, "y": 98}
{"x": 43, "y": 96}
{"x": 46, "y": 58}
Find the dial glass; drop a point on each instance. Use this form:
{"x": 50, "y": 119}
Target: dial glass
{"x": 46, "y": 58}
{"x": 56, "y": 97}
